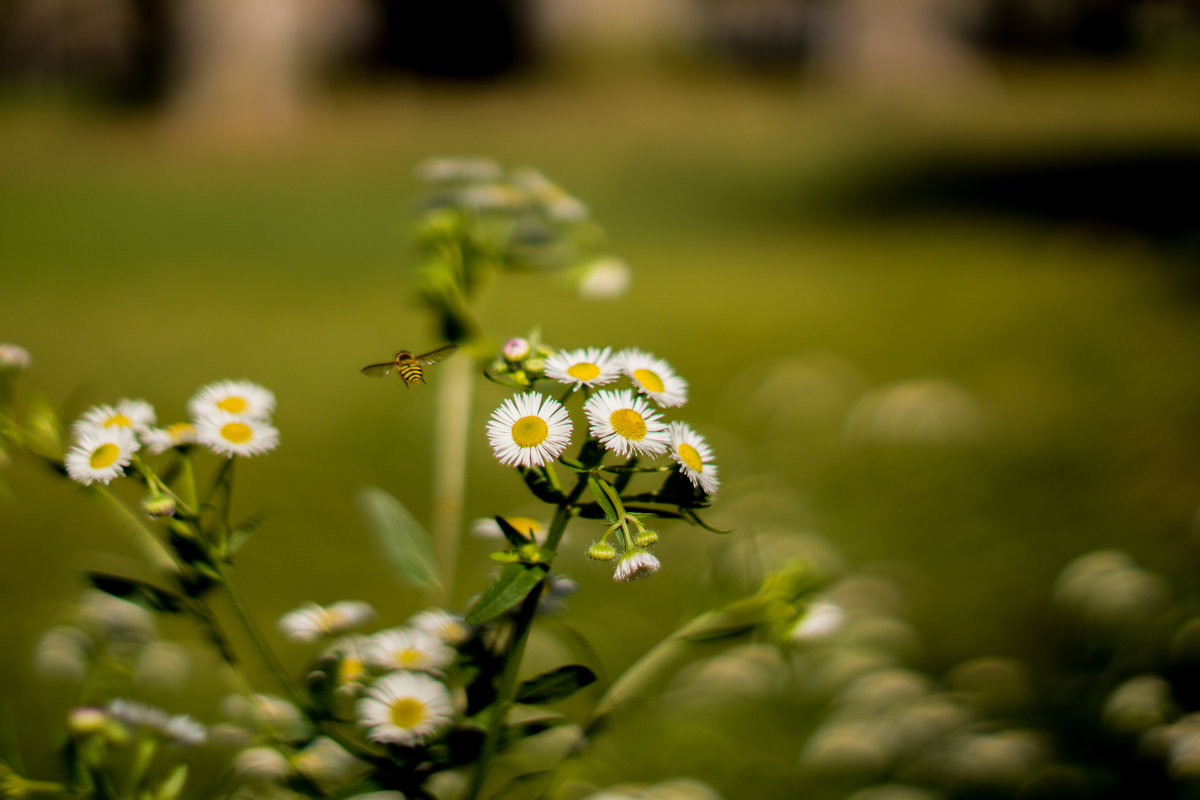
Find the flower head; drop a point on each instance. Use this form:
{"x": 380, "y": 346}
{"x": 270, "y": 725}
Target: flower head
{"x": 136, "y": 415}
{"x": 625, "y": 424}
{"x": 239, "y": 398}
{"x": 450, "y": 628}
{"x": 584, "y": 367}
{"x": 694, "y": 457}
{"x": 230, "y": 435}
{"x": 654, "y": 377}
{"x": 635, "y": 564}
{"x": 405, "y": 708}
{"x": 159, "y": 440}
{"x": 179, "y": 729}
{"x": 13, "y": 356}
{"x": 517, "y": 349}
{"x": 529, "y": 430}
{"x": 408, "y": 649}
{"x": 101, "y": 454}
{"x": 311, "y": 621}
{"x": 605, "y": 279}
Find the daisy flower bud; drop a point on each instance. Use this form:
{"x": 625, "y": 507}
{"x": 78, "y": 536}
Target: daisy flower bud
{"x": 601, "y": 551}
{"x": 635, "y": 564}
{"x": 516, "y": 349}
{"x": 159, "y": 505}
{"x": 645, "y": 538}
{"x": 13, "y": 356}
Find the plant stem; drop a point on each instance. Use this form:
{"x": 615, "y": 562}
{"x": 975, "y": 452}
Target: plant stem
{"x": 522, "y": 625}
{"x": 449, "y": 465}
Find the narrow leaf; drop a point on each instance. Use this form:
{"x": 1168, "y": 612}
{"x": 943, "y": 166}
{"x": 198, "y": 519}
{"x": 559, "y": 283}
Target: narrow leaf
{"x": 135, "y": 591}
{"x": 514, "y": 536}
{"x": 400, "y": 539}
{"x": 509, "y": 588}
{"x": 695, "y": 519}
{"x": 602, "y": 498}
{"x": 555, "y": 685}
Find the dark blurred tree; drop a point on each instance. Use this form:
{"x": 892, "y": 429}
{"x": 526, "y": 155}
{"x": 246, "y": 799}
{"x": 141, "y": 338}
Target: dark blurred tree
{"x": 450, "y": 38}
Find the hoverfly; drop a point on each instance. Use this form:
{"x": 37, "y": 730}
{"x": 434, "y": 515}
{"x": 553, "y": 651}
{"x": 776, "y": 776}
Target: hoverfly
{"x": 408, "y": 366}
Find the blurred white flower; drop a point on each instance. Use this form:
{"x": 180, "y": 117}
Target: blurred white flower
{"x": 136, "y": 415}
{"x": 159, "y": 440}
{"x": 405, "y": 708}
{"x": 63, "y": 653}
{"x": 311, "y": 621}
{"x": 821, "y": 620}
{"x": 408, "y": 649}
{"x": 13, "y": 356}
{"x": 101, "y": 454}
{"x": 178, "y": 729}
{"x": 230, "y": 435}
{"x": 450, "y": 628}
{"x": 238, "y": 398}
{"x": 262, "y": 765}
{"x": 328, "y": 765}
{"x": 605, "y": 279}
{"x": 916, "y": 411}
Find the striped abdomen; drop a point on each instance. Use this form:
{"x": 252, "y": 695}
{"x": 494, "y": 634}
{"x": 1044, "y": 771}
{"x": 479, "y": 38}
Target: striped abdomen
{"x": 411, "y": 371}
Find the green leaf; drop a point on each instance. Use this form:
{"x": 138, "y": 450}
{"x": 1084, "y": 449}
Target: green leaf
{"x": 172, "y": 787}
{"x": 514, "y": 536}
{"x": 400, "y": 539}
{"x": 541, "y": 487}
{"x": 509, "y": 588}
{"x": 695, "y": 519}
{"x": 135, "y": 591}
{"x": 555, "y": 685}
{"x": 597, "y": 487}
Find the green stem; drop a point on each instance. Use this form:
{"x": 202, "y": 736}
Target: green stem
{"x": 522, "y": 625}
{"x": 450, "y": 466}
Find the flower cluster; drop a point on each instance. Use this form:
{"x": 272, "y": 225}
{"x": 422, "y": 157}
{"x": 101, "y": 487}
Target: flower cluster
{"x": 531, "y": 430}
{"x": 231, "y": 418}
{"x": 397, "y": 678}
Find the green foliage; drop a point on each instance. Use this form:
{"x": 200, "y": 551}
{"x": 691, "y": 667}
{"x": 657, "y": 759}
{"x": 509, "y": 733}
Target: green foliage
{"x": 400, "y": 539}
{"x": 510, "y": 587}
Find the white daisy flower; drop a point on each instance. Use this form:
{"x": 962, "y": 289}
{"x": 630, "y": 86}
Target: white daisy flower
{"x": 635, "y": 564}
{"x": 136, "y": 415}
{"x": 408, "y": 649}
{"x": 180, "y": 728}
{"x": 450, "y": 628}
{"x": 100, "y": 454}
{"x": 654, "y": 377}
{"x": 405, "y": 708}
{"x": 694, "y": 456}
{"x": 311, "y": 621}
{"x": 605, "y": 279}
{"x": 351, "y": 655}
{"x": 529, "y": 430}
{"x": 13, "y": 356}
{"x": 229, "y": 435}
{"x": 240, "y": 398}
{"x": 584, "y": 367}
{"x": 625, "y": 424}
{"x": 159, "y": 440}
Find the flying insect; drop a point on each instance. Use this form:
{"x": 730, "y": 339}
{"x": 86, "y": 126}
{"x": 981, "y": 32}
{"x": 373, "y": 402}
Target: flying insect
{"x": 409, "y": 367}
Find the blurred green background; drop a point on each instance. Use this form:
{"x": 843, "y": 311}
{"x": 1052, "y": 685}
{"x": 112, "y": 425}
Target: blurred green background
{"x": 951, "y": 332}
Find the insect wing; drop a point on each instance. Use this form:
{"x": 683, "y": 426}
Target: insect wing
{"x": 434, "y": 356}
{"x": 378, "y": 370}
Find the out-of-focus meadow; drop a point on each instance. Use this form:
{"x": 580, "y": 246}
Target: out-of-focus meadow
{"x": 942, "y": 335}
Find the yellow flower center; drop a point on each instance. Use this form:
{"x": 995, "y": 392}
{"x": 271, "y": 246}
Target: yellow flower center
{"x": 628, "y": 424}
{"x": 233, "y": 404}
{"x": 118, "y": 420}
{"x": 410, "y": 659}
{"x": 649, "y": 379}
{"x": 236, "y": 432}
{"x": 583, "y": 371}
{"x": 350, "y": 670}
{"x": 104, "y": 456}
{"x": 180, "y": 431}
{"x": 407, "y": 713}
{"x": 689, "y": 456}
{"x": 530, "y": 431}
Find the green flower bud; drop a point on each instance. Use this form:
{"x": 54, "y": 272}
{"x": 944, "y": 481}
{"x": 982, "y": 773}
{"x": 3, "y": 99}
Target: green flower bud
{"x": 645, "y": 538}
{"x": 601, "y": 551}
{"x": 159, "y": 505}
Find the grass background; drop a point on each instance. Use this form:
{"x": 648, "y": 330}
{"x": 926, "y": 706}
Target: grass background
{"x": 1030, "y": 245}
